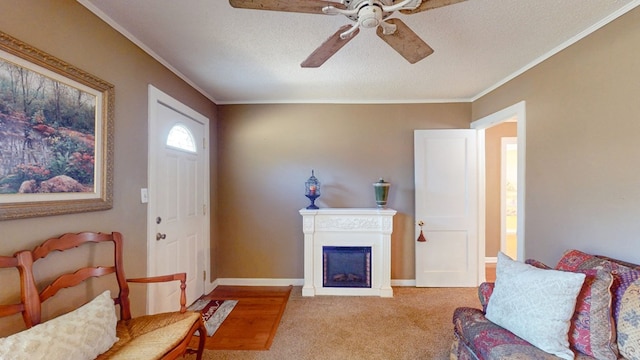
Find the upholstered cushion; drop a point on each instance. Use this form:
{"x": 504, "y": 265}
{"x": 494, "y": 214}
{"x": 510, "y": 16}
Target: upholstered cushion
{"x": 83, "y": 333}
{"x": 476, "y": 338}
{"x": 150, "y": 336}
{"x": 629, "y": 323}
{"x": 535, "y": 304}
{"x": 592, "y": 329}
{"x": 486, "y": 340}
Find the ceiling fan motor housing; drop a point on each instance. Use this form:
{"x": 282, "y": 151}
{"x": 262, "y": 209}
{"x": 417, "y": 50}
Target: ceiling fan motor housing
{"x": 370, "y": 16}
{"x": 367, "y": 9}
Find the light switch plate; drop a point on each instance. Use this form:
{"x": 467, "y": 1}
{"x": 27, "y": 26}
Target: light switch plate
{"x": 144, "y": 195}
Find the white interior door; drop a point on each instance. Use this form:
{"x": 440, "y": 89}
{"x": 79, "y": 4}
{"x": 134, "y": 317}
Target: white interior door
{"x": 446, "y": 181}
{"x": 178, "y": 201}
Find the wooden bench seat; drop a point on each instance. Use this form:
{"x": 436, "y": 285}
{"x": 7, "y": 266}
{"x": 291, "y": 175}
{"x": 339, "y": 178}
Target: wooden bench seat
{"x": 159, "y": 336}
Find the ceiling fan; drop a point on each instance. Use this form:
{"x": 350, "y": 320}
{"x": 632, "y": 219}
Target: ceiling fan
{"x": 364, "y": 14}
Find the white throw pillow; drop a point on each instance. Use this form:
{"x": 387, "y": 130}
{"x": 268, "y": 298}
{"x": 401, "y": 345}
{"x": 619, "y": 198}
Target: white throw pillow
{"x": 83, "y": 333}
{"x": 535, "y": 304}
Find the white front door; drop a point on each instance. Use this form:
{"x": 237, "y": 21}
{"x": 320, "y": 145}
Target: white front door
{"x": 178, "y": 200}
{"x": 446, "y": 181}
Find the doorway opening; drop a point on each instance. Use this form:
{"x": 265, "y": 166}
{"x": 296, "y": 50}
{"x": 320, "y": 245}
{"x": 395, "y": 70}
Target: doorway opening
{"x": 515, "y": 113}
{"x": 509, "y": 197}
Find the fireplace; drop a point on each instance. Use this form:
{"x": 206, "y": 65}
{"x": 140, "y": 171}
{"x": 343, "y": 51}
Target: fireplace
{"x": 346, "y": 266}
{"x": 347, "y": 252}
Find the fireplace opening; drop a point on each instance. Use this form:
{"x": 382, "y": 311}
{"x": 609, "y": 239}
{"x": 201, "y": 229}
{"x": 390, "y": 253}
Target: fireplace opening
{"x": 346, "y": 266}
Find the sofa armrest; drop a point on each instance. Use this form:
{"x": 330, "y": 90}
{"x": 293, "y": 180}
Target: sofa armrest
{"x": 484, "y": 293}
{"x": 182, "y": 277}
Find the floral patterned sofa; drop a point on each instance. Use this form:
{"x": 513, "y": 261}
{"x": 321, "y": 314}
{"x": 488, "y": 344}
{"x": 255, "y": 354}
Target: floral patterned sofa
{"x": 605, "y": 323}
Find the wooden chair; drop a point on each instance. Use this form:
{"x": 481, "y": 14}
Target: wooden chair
{"x": 23, "y": 262}
{"x": 143, "y": 328}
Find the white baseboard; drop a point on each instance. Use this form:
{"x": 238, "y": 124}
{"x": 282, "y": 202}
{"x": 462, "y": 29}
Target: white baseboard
{"x": 404, "y": 282}
{"x": 286, "y": 282}
{"x": 259, "y": 282}
{"x": 300, "y": 282}
{"x": 208, "y": 287}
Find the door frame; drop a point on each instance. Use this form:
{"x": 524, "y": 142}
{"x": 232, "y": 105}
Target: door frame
{"x": 517, "y": 111}
{"x": 157, "y": 98}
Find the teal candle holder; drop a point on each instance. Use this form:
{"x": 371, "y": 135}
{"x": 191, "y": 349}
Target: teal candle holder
{"x": 381, "y": 189}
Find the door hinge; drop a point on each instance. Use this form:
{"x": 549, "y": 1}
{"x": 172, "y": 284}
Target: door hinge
{"x": 204, "y": 144}
{"x": 204, "y": 275}
{"x": 204, "y": 209}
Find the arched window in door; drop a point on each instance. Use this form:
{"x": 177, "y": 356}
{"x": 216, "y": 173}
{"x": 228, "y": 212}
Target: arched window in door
{"x": 181, "y": 138}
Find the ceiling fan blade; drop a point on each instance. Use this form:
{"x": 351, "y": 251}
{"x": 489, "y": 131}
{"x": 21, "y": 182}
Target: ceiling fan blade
{"x": 405, "y": 42}
{"x": 301, "y": 6}
{"x": 328, "y": 48}
{"x": 431, "y": 4}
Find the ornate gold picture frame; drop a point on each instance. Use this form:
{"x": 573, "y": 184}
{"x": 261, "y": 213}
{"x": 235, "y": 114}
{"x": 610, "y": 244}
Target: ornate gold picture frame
{"x": 56, "y": 135}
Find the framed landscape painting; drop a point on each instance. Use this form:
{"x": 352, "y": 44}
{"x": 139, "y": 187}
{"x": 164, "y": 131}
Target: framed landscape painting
{"x": 56, "y": 135}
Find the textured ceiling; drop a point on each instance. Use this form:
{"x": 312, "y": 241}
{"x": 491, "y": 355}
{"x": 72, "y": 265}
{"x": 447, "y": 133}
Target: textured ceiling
{"x": 249, "y": 56}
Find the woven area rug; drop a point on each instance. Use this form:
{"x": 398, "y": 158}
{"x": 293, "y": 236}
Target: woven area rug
{"x": 213, "y": 312}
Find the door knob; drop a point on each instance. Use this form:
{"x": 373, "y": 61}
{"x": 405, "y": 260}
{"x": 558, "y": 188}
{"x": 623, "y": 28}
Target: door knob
{"x": 160, "y": 236}
{"x": 421, "y": 237}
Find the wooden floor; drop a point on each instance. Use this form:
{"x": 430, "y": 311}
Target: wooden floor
{"x": 253, "y": 322}
{"x": 490, "y": 270}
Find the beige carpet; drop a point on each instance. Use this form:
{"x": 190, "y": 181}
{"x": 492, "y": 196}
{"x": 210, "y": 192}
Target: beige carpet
{"x": 414, "y": 324}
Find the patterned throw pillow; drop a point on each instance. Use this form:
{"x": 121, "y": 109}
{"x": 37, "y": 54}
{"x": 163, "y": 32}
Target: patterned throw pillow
{"x": 629, "y": 323}
{"x": 623, "y": 275}
{"x": 538, "y": 264}
{"x": 535, "y": 304}
{"x": 592, "y": 330}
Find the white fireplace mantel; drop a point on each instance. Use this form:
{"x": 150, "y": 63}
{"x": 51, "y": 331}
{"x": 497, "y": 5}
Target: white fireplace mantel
{"x": 347, "y": 227}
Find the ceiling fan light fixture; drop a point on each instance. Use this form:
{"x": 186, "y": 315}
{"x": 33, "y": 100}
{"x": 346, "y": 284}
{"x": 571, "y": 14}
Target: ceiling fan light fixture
{"x": 370, "y": 16}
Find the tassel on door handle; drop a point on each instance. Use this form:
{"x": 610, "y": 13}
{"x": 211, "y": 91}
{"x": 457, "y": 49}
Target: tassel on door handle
{"x": 421, "y": 237}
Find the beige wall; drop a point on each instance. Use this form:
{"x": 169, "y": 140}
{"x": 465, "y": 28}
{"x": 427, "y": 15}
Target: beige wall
{"x": 68, "y": 31}
{"x": 582, "y": 150}
{"x": 266, "y": 153}
{"x": 583, "y": 144}
{"x": 493, "y": 163}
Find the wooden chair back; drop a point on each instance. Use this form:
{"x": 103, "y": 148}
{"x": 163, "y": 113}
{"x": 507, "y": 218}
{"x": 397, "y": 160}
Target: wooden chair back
{"x": 71, "y": 279}
{"x": 29, "y": 304}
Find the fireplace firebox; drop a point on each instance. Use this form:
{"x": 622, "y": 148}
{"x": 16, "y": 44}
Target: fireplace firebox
{"x": 346, "y": 266}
